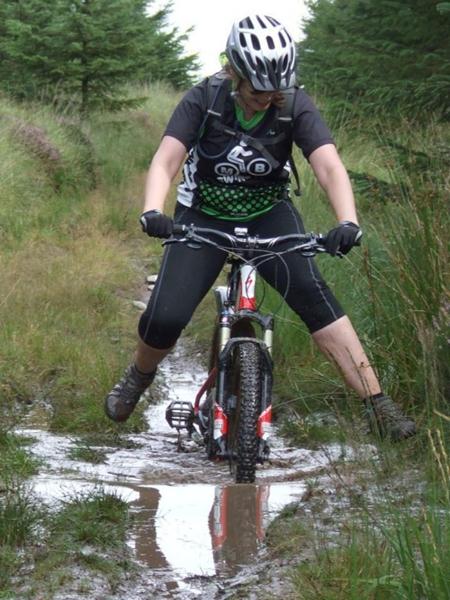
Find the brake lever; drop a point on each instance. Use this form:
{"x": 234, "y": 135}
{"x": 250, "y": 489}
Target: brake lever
{"x": 173, "y": 240}
{"x": 309, "y": 249}
{"x": 190, "y": 243}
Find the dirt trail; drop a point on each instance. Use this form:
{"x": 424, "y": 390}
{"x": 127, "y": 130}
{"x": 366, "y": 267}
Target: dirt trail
{"x": 195, "y": 533}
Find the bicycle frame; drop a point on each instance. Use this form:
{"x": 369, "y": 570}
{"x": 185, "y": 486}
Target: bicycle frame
{"x": 233, "y": 408}
{"x": 237, "y": 314}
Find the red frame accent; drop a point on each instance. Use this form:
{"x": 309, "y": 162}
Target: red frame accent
{"x": 247, "y": 303}
{"x": 207, "y": 385}
{"x": 219, "y": 415}
{"x": 220, "y": 523}
{"x": 242, "y": 302}
{"x": 264, "y": 417}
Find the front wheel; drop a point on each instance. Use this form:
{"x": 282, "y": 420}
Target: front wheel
{"x": 243, "y": 436}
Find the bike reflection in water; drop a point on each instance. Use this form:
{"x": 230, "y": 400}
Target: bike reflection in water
{"x": 200, "y": 529}
{"x": 237, "y": 524}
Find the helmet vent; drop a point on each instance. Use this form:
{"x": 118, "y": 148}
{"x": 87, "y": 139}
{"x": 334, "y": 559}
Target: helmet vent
{"x": 261, "y": 22}
{"x": 270, "y": 42}
{"x": 250, "y": 60}
{"x": 239, "y": 63}
{"x": 255, "y": 42}
{"x": 242, "y": 40}
{"x": 260, "y": 64}
{"x": 282, "y": 39}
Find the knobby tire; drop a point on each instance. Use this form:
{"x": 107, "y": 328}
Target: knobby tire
{"x": 244, "y": 441}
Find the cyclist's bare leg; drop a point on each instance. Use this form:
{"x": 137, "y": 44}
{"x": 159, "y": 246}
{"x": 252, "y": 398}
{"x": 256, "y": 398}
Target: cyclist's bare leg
{"x": 147, "y": 358}
{"x": 340, "y": 343}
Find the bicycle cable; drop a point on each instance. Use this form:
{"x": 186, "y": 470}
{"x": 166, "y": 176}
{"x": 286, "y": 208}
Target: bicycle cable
{"x": 256, "y": 262}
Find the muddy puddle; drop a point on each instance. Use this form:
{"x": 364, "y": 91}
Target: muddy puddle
{"x": 192, "y": 528}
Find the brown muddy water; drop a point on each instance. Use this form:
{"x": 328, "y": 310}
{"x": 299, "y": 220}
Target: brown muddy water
{"x": 194, "y": 531}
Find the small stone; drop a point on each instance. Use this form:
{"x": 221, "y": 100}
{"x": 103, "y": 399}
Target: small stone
{"x": 139, "y": 305}
{"x": 152, "y": 279}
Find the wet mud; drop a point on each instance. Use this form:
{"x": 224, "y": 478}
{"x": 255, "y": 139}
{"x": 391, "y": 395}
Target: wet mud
{"x": 195, "y": 534}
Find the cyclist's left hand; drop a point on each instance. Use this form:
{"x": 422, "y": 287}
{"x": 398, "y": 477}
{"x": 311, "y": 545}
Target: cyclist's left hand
{"x": 343, "y": 237}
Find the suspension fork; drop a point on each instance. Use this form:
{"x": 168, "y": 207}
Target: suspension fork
{"x": 237, "y": 310}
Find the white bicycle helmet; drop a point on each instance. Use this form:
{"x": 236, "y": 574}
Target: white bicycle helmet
{"x": 261, "y": 50}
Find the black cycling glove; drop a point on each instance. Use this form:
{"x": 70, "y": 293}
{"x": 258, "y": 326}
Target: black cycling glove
{"x": 342, "y": 238}
{"x": 156, "y": 224}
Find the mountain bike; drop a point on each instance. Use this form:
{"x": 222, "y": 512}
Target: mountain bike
{"x": 233, "y": 408}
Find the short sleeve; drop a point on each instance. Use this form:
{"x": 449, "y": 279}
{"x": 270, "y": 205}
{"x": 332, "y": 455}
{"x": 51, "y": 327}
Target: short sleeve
{"x": 187, "y": 118}
{"x": 310, "y": 131}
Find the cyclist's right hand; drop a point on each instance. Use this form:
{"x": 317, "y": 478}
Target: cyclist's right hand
{"x": 155, "y": 224}
{"x": 342, "y": 238}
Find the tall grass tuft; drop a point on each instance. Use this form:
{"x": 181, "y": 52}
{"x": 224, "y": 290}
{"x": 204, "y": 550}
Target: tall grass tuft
{"x": 406, "y": 561}
{"x": 87, "y": 532}
{"x": 21, "y": 516}
{"x": 16, "y": 463}
{"x": 98, "y": 518}
{"x": 387, "y": 551}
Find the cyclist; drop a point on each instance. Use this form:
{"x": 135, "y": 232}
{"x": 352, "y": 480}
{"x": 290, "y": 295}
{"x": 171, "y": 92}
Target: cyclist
{"x": 236, "y": 173}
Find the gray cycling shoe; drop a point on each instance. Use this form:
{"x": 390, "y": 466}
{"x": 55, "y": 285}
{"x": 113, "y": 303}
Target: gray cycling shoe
{"x": 387, "y": 420}
{"x": 122, "y": 399}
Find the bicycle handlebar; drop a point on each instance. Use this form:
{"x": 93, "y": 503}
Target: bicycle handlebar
{"x": 310, "y": 243}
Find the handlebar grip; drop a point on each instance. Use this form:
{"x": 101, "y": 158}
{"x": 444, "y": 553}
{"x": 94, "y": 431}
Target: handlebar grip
{"x": 179, "y": 228}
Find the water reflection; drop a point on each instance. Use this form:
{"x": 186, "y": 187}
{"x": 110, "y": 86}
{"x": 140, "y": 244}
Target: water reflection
{"x": 237, "y": 523}
{"x": 204, "y": 529}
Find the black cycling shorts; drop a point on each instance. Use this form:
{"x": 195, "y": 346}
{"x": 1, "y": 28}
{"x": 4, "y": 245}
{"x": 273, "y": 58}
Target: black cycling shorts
{"x": 186, "y": 275}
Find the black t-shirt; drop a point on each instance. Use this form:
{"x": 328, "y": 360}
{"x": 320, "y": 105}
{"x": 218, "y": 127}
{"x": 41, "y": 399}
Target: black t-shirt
{"x": 228, "y": 161}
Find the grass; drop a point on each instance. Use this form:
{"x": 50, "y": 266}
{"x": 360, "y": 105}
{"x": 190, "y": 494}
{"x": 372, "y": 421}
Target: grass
{"x": 68, "y": 336}
{"x": 83, "y": 451}
{"x": 97, "y": 518}
{"x": 43, "y": 169}
{"x": 313, "y": 430}
{"x": 385, "y": 532}
{"x": 89, "y": 532}
{"x": 19, "y": 517}
{"x": 73, "y": 265}
{"x": 20, "y": 514}
{"x": 409, "y": 559}
{"x": 17, "y": 465}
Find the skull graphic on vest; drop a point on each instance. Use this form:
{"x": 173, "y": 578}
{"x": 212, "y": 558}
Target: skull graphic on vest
{"x": 241, "y": 162}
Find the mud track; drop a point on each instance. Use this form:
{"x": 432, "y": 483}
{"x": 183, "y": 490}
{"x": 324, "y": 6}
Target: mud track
{"x": 195, "y": 534}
